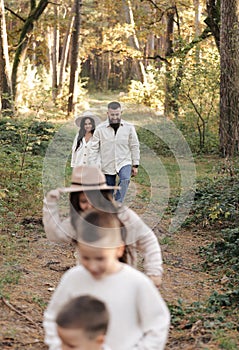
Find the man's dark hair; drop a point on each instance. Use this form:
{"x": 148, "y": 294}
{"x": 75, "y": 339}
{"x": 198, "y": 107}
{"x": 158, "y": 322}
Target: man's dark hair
{"x": 114, "y": 105}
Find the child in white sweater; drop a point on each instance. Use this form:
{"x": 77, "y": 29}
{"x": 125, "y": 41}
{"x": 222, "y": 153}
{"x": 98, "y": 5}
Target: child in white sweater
{"x": 89, "y": 189}
{"x": 82, "y": 324}
{"x": 139, "y": 317}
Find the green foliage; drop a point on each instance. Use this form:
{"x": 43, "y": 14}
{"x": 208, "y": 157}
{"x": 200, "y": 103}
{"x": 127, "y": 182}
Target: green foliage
{"x": 177, "y": 312}
{"x": 189, "y": 129}
{"x": 215, "y": 318}
{"x": 36, "y": 93}
{"x": 9, "y": 273}
{"x": 153, "y": 142}
{"x": 218, "y": 301}
{"x": 216, "y": 202}
{"x": 197, "y": 98}
{"x": 11, "y": 277}
{"x": 148, "y": 93}
{"x": 225, "y": 342}
{"x": 193, "y": 94}
{"x": 223, "y": 257}
{"x": 39, "y": 301}
{"x": 30, "y": 136}
{"x": 20, "y": 189}
{"x": 224, "y": 252}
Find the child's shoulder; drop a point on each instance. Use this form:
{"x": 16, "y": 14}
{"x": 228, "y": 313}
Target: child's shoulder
{"x": 74, "y": 271}
{"x": 135, "y": 275}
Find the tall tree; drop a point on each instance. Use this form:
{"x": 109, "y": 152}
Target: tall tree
{"x": 53, "y": 44}
{"x": 133, "y": 41}
{"x": 59, "y": 37}
{"x": 197, "y": 25}
{"x": 169, "y": 39}
{"x": 6, "y": 105}
{"x": 213, "y": 19}
{"x": 23, "y": 42}
{"x": 65, "y": 48}
{"x": 74, "y": 63}
{"x": 229, "y": 88}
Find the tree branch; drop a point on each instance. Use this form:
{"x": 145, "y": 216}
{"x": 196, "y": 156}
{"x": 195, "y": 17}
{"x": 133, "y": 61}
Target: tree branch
{"x": 205, "y": 34}
{"x": 19, "y": 312}
{"x": 14, "y": 13}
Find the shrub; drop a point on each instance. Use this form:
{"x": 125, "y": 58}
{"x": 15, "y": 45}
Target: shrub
{"x": 216, "y": 203}
{"x": 25, "y": 136}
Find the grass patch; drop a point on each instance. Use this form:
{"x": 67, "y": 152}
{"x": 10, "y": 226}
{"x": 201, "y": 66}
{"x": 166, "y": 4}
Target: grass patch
{"x": 226, "y": 342}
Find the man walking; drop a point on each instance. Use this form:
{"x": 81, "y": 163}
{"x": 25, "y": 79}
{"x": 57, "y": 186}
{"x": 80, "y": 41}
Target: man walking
{"x": 117, "y": 142}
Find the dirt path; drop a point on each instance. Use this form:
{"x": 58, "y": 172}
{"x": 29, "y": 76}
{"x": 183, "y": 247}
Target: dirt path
{"x": 183, "y": 277}
{"x": 37, "y": 265}
{"x": 41, "y": 264}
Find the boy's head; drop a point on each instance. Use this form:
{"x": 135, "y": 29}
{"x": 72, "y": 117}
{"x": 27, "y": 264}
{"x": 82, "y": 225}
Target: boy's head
{"x": 82, "y": 323}
{"x": 99, "y": 242}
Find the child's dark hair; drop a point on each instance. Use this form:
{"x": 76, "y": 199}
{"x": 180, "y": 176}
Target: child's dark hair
{"x": 95, "y": 225}
{"x": 102, "y": 200}
{"x": 81, "y": 133}
{"x": 85, "y": 312}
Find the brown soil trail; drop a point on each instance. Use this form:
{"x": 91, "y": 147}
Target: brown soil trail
{"x": 37, "y": 266}
{"x": 41, "y": 264}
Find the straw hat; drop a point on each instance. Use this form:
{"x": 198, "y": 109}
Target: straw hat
{"x": 87, "y": 178}
{"x": 85, "y": 114}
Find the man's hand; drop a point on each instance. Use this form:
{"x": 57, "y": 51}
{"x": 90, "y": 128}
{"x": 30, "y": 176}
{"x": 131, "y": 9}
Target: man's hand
{"x": 134, "y": 171}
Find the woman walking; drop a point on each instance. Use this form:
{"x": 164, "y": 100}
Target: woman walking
{"x": 80, "y": 149}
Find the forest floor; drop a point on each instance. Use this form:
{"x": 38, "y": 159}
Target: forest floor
{"x": 31, "y": 268}
{"x": 40, "y": 265}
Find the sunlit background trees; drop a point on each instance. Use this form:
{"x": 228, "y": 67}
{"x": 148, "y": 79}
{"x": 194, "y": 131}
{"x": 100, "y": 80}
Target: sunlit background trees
{"x": 163, "y": 54}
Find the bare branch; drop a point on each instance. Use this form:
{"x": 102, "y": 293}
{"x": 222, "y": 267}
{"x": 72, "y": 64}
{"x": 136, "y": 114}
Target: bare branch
{"x": 14, "y": 13}
{"x": 19, "y": 312}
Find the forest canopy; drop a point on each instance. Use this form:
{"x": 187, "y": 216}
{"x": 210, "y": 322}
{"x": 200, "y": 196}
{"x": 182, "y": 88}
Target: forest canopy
{"x": 163, "y": 54}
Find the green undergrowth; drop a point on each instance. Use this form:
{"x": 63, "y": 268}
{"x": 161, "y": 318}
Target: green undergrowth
{"x": 216, "y": 201}
{"x": 215, "y": 320}
{"x": 215, "y": 210}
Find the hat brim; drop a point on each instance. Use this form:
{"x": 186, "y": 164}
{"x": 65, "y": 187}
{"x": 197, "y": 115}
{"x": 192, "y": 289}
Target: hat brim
{"x": 79, "y": 188}
{"x": 93, "y": 116}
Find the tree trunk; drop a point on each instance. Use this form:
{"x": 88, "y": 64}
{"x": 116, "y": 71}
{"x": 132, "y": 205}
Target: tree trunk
{"x": 213, "y": 19}
{"x": 74, "y": 73}
{"x": 53, "y": 47}
{"x": 229, "y": 87}
{"x": 105, "y": 70}
{"x": 168, "y": 102}
{"x": 6, "y": 105}
{"x": 23, "y": 41}
{"x": 133, "y": 41}
{"x": 169, "y": 32}
{"x": 55, "y": 55}
{"x": 197, "y": 25}
{"x": 65, "y": 50}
